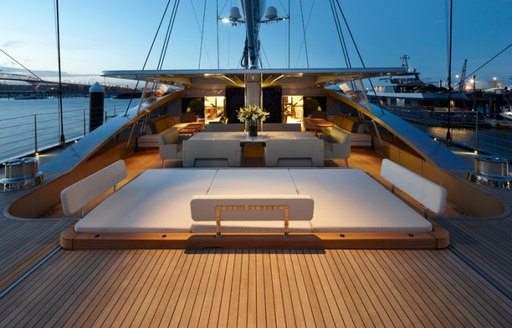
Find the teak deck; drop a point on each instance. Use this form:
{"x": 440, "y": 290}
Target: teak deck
{"x": 467, "y": 284}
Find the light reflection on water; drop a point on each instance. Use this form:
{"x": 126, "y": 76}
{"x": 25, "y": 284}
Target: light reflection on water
{"x": 495, "y": 141}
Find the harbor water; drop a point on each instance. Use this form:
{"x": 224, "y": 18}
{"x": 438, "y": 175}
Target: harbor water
{"x": 32, "y": 125}
{"x": 490, "y": 141}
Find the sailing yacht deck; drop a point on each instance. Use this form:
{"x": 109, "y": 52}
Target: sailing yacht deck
{"x": 467, "y": 284}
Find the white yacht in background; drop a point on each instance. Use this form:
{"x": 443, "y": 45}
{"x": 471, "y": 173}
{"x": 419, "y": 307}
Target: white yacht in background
{"x": 506, "y": 112}
{"x": 410, "y": 98}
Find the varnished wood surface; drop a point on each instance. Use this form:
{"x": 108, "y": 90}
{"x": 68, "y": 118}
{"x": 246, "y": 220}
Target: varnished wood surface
{"x": 466, "y": 285}
{"x": 241, "y": 288}
{"x": 437, "y": 239}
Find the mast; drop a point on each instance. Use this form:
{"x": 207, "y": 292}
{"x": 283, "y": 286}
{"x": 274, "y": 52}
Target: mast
{"x": 253, "y": 10}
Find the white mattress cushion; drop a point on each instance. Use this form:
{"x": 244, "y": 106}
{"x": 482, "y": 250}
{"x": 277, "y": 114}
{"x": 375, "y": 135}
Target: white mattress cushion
{"x": 156, "y": 201}
{"x": 253, "y": 181}
{"x": 351, "y": 201}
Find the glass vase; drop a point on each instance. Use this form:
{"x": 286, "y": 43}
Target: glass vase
{"x": 252, "y": 127}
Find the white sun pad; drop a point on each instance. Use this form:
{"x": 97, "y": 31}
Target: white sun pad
{"x": 351, "y": 201}
{"x": 344, "y": 200}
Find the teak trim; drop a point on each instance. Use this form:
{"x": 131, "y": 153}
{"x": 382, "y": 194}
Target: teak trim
{"x": 220, "y": 208}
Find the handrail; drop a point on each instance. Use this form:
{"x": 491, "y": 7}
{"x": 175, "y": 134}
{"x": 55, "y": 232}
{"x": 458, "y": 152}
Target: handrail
{"x": 28, "y": 135}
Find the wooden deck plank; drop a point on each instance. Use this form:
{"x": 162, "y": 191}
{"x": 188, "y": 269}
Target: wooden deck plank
{"x": 179, "y": 302}
{"x": 142, "y": 291}
{"x": 235, "y": 291}
{"x": 335, "y": 302}
{"x": 278, "y": 301}
{"x": 147, "y": 309}
{"x": 400, "y": 289}
{"x": 261, "y": 315}
{"x": 252, "y": 292}
{"x": 100, "y": 287}
{"x": 301, "y": 312}
{"x": 384, "y": 296}
{"x": 319, "y": 292}
{"x": 491, "y": 297}
{"x": 309, "y": 296}
{"x": 225, "y": 298}
{"x": 25, "y": 243}
{"x": 204, "y": 315}
{"x": 284, "y": 285}
{"x": 340, "y": 291}
{"x": 67, "y": 295}
{"x": 196, "y": 291}
{"x": 268, "y": 299}
{"x": 423, "y": 290}
{"x": 219, "y": 288}
{"x": 175, "y": 282}
{"x": 243, "y": 297}
{"x": 481, "y": 248}
{"x": 194, "y": 309}
{"x": 461, "y": 296}
{"x": 358, "y": 308}
{"x": 439, "y": 296}
{"x": 334, "y": 289}
{"x": 98, "y": 266}
{"x": 107, "y": 311}
{"x": 31, "y": 295}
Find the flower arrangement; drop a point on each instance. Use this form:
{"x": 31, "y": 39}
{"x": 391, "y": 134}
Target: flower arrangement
{"x": 252, "y": 113}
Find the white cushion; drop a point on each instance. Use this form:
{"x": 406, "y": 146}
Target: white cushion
{"x": 203, "y": 207}
{"x": 351, "y": 201}
{"x": 156, "y": 201}
{"x": 431, "y": 195}
{"x": 79, "y": 194}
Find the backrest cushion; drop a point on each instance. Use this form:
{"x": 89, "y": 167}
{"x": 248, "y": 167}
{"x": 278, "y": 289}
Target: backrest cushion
{"x": 203, "y": 207}
{"x": 431, "y": 195}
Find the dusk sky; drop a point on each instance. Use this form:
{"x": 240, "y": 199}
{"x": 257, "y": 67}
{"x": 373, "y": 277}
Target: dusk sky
{"x": 99, "y": 35}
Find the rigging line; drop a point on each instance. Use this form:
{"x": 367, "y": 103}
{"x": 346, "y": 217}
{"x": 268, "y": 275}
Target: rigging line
{"x": 149, "y": 52}
{"x": 169, "y": 33}
{"x": 487, "y": 62}
{"x": 28, "y": 70}
{"x": 341, "y": 37}
{"x": 156, "y": 34}
{"x": 265, "y": 56}
{"x": 202, "y": 35}
{"x": 217, "y": 32}
{"x": 350, "y": 33}
{"x": 289, "y": 34}
{"x": 282, "y": 7}
{"x": 304, "y": 34}
{"x": 61, "y": 117}
{"x": 360, "y": 57}
{"x": 222, "y": 9}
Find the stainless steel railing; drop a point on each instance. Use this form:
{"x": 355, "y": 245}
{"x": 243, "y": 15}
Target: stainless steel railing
{"x": 28, "y": 135}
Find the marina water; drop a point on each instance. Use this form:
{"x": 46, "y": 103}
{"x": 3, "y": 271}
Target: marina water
{"x": 490, "y": 141}
{"x": 33, "y": 125}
